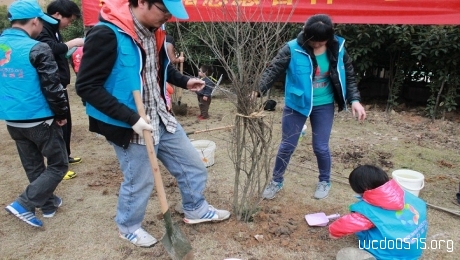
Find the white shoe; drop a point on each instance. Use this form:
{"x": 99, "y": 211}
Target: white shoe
{"x": 213, "y": 214}
{"x": 322, "y": 190}
{"x": 140, "y": 238}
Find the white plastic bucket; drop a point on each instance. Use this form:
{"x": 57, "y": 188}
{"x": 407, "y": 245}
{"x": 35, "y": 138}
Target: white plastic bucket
{"x": 205, "y": 149}
{"x": 409, "y": 180}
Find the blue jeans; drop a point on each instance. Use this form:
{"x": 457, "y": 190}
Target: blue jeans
{"x": 33, "y": 145}
{"x": 321, "y": 120}
{"x": 180, "y": 158}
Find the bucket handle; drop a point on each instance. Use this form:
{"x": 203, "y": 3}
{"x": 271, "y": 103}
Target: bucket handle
{"x": 407, "y": 188}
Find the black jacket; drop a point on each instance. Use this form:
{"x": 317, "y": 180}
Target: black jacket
{"x": 51, "y": 35}
{"x": 280, "y": 63}
{"x": 51, "y": 88}
{"x": 208, "y": 88}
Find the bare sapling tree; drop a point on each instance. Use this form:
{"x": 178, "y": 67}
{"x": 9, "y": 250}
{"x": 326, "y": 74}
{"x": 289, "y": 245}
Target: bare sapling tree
{"x": 244, "y": 49}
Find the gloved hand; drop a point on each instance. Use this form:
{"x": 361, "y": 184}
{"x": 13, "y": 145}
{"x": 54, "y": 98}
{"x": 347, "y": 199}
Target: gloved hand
{"x": 140, "y": 126}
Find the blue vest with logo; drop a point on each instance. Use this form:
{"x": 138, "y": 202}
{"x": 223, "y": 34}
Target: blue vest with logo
{"x": 397, "y": 234}
{"x": 124, "y": 78}
{"x": 21, "y": 97}
{"x": 299, "y": 75}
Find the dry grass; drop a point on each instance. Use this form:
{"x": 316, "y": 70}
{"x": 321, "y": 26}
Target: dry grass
{"x": 84, "y": 227}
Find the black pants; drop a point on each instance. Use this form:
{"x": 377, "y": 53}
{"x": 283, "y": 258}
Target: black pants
{"x": 33, "y": 144}
{"x": 204, "y": 106}
{"x": 67, "y": 128}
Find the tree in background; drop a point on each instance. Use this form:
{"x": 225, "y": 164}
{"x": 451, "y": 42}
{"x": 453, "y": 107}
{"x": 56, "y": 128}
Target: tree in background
{"x": 437, "y": 50}
{"x": 377, "y": 47}
{"x": 4, "y": 22}
{"x": 75, "y": 30}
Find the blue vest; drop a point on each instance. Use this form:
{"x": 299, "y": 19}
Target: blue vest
{"x": 397, "y": 234}
{"x": 299, "y": 75}
{"x": 21, "y": 97}
{"x": 124, "y": 78}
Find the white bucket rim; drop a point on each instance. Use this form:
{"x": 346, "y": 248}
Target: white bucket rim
{"x": 411, "y": 188}
{"x": 409, "y": 171}
{"x": 207, "y": 143}
{"x": 395, "y": 176}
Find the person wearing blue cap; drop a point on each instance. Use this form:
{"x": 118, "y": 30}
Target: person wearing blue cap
{"x": 125, "y": 52}
{"x": 319, "y": 74}
{"x": 63, "y": 13}
{"x": 34, "y": 107}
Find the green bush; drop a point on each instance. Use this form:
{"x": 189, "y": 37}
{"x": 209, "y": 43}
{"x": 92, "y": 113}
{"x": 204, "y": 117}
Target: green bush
{"x": 76, "y": 29}
{"x": 4, "y": 22}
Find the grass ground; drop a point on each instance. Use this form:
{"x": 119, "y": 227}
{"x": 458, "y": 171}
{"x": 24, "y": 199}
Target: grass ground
{"x": 84, "y": 227}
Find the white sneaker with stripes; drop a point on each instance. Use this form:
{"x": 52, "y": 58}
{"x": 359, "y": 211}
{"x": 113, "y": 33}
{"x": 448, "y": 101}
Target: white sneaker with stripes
{"x": 213, "y": 214}
{"x": 140, "y": 238}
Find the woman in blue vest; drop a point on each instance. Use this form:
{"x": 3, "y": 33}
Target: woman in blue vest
{"x": 318, "y": 73}
{"x": 390, "y": 223}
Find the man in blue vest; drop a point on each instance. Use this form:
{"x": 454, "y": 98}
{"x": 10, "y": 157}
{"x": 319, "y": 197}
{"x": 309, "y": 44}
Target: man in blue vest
{"x": 126, "y": 52}
{"x": 34, "y": 106}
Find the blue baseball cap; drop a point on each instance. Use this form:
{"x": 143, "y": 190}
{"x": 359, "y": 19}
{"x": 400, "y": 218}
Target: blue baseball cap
{"x": 27, "y": 9}
{"x": 176, "y": 8}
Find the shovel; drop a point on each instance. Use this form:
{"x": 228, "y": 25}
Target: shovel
{"x": 174, "y": 241}
{"x": 319, "y": 219}
{"x": 451, "y": 211}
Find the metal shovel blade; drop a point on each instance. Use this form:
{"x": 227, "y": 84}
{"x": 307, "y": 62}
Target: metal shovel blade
{"x": 174, "y": 241}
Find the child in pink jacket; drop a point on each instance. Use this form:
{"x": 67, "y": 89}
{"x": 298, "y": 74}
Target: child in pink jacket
{"x": 390, "y": 223}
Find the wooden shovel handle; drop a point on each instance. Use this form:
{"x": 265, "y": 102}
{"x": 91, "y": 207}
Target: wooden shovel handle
{"x": 454, "y": 212}
{"x": 209, "y": 130}
{"x": 152, "y": 156}
{"x": 181, "y": 66}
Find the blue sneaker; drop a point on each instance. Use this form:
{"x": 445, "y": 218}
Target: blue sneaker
{"x": 19, "y": 211}
{"x": 57, "y": 204}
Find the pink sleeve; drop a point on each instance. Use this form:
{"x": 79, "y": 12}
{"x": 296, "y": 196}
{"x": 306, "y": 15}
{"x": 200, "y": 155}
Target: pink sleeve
{"x": 349, "y": 224}
{"x": 168, "y": 100}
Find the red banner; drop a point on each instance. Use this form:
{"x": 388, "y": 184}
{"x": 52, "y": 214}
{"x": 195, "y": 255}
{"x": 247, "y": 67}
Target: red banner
{"x": 297, "y": 11}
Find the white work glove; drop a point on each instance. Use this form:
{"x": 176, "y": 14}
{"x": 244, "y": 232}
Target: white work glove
{"x": 140, "y": 126}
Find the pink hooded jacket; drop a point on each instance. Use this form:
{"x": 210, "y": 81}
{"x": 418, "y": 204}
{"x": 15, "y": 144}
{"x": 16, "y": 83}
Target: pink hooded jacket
{"x": 389, "y": 196}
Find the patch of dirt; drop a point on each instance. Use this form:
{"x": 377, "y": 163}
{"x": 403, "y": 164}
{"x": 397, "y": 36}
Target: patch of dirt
{"x": 84, "y": 227}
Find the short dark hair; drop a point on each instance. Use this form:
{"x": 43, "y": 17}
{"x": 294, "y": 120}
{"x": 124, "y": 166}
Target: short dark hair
{"x": 19, "y": 21}
{"x": 367, "y": 177}
{"x": 135, "y": 3}
{"x": 318, "y": 28}
{"x": 66, "y": 8}
{"x": 206, "y": 69}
